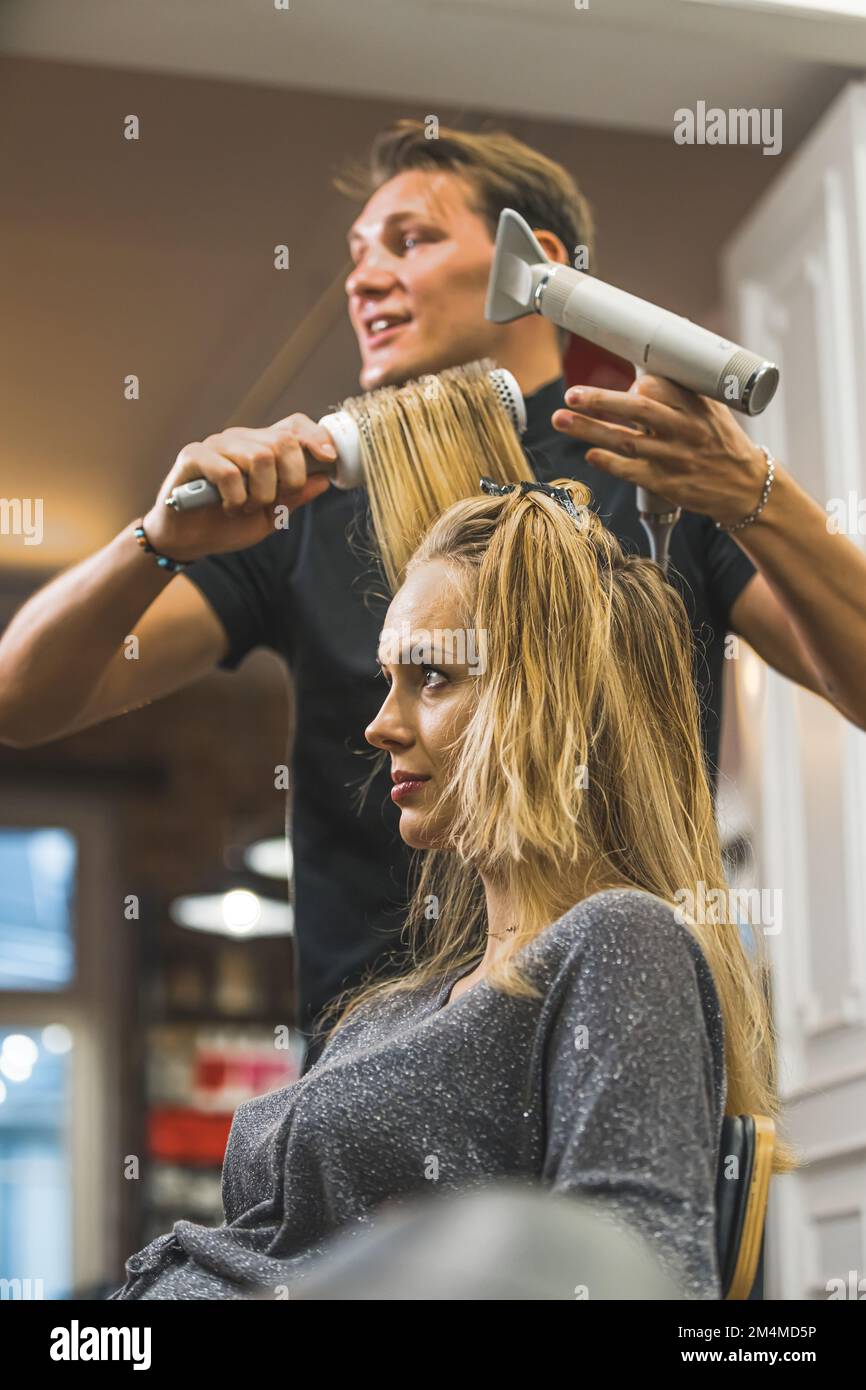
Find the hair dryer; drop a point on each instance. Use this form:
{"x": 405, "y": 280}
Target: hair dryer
{"x": 523, "y": 280}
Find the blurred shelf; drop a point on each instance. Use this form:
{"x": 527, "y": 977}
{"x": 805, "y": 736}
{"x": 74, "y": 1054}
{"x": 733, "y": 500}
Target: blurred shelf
{"x": 188, "y": 1136}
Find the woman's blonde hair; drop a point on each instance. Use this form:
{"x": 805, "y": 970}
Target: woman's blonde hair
{"x": 580, "y": 764}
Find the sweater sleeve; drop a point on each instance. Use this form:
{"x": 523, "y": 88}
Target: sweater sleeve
{"x": 634, "y": 1084}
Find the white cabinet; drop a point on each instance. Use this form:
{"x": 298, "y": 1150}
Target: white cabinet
{"x": 795, "y": 289}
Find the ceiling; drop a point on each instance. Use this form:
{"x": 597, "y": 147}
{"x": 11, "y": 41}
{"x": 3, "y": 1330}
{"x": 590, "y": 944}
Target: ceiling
{"x": 626, "y": 64}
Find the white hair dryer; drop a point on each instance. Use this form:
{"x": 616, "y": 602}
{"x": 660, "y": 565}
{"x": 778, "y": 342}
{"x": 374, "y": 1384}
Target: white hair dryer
{"x": 523, "y": 280}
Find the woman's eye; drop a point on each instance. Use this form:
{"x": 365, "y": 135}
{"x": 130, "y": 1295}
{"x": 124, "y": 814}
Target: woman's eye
{"x": 432, "y": 670}
{"x": 410, "y": 236}
{"x": 425, "y": 669}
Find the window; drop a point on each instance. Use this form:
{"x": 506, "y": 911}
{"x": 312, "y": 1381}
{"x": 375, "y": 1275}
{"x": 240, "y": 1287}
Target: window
{"x": 37, "y": 880}
{"x": 35, "y": 1187}
{"x": 61, "y": 1012}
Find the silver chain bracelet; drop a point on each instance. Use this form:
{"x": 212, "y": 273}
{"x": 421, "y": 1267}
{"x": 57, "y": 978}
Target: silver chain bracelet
{"x": 768, "y": 483}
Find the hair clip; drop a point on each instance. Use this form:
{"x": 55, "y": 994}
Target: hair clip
{"x": 559, "y": 494}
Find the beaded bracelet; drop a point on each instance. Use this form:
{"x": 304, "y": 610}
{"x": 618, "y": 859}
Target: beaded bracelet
{"x": 165, "y": 562}
{"x": 768, "y": 483}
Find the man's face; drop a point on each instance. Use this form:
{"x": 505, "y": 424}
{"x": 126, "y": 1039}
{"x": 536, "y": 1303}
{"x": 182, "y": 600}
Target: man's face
{"x": 421, "y": 256}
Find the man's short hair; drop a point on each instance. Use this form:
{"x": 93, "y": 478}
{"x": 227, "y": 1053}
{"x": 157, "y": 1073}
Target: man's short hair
{"x": 501, "y": 170}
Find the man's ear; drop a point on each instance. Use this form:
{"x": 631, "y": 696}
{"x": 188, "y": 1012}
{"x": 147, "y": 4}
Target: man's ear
{"x": 552, "y": 246}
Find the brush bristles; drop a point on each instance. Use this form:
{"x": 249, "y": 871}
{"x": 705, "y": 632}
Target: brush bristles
{"x": 426, "y": 444}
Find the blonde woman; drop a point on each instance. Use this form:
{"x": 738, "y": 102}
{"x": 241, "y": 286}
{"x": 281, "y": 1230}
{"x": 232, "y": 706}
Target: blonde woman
{"x": 562, "y": 1021}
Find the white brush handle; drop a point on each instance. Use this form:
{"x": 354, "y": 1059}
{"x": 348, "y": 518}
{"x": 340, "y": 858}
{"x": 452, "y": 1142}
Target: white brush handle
{"x": 344, "y": 473}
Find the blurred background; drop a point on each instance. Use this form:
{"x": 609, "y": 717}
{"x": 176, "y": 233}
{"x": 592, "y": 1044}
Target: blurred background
{"x": 145, "y": 881}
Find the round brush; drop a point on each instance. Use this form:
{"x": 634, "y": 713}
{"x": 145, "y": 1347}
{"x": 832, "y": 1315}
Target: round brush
{"x": 347, "y": 471}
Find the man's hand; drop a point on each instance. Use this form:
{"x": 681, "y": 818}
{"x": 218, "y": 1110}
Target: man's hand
{"x": 254, "y": 470}
{"x": 671, "y": 441}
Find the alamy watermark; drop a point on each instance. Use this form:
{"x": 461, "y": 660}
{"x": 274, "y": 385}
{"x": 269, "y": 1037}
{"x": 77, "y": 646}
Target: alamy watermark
{"x": 756, "y": 907}
{"x": 84, "y": 1343}
{"x": 436, "y": 646}
{"x": 738, "y": 126}
{"x": 22, "y": 516}
{"x": 22, "y": 1289}
{"x": 846, "y": 516}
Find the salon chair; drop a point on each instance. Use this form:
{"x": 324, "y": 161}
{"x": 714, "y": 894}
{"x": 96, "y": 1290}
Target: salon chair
{"x": 741, "y": 1203}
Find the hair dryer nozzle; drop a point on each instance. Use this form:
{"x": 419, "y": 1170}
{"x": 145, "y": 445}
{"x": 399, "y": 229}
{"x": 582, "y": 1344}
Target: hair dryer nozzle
{"x": 519, "y": 262}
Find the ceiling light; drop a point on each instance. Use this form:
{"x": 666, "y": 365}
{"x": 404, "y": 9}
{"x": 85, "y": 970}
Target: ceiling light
{"x": 17, "y": 1056}
{"x": 817, "y": 9}
{"x": 56, "y": 1038}
{"x": 238, "y": 913}
{"x": 270, "y": 858}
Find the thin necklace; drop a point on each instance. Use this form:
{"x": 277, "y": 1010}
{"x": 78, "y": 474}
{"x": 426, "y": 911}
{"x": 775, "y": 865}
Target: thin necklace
{"x": 507, "y": 932}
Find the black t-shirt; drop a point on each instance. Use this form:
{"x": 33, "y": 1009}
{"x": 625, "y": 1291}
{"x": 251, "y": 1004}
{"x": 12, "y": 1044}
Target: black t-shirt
{"x": 317, "y": 598}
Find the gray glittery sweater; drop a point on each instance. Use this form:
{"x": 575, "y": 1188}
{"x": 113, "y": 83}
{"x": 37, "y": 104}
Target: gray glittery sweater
{"x": 612, "y": 1082}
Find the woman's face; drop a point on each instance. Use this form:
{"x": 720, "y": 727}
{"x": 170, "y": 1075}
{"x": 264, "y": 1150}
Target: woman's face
{"x": 429, "y": 664}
